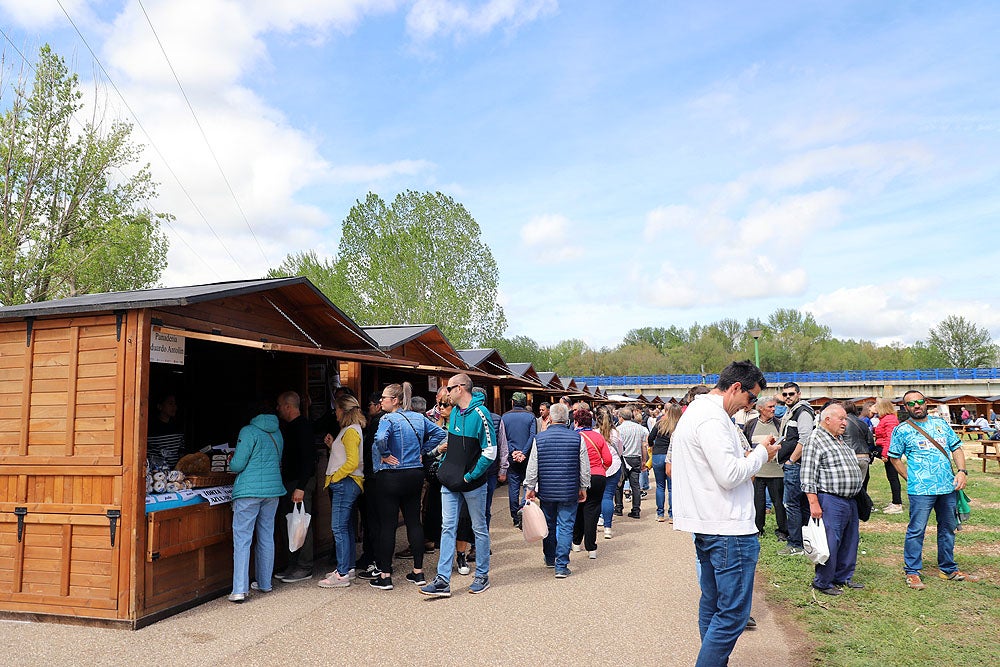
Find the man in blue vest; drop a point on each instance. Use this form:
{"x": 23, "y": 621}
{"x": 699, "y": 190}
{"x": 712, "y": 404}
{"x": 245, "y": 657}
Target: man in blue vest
{"x": 559, "y": 468}
{"x": 517, "y": 429}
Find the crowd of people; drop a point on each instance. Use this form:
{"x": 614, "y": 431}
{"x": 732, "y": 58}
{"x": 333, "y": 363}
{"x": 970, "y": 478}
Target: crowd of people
{"x": 812, "y": 469}
{"x": 439, "y": 468}
{"x": 719, "y": 460}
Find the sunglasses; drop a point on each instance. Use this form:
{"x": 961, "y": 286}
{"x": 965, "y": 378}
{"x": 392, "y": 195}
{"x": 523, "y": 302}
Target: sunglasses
{"x": 442, "y": 405}
{"x": 453, "y": 386}
{"x": 752, "y": 396}
{"x": 786, "y": 394}
{"x": 913, "y": 404}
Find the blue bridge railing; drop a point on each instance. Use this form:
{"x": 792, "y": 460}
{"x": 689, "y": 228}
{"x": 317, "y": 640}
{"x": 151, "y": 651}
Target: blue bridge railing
{"x": 924, "y": 374}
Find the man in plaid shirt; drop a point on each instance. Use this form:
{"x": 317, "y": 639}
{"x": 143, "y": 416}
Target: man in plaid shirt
{"x": 831, "y": 477}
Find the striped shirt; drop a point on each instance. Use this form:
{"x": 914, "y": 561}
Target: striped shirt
{"x": 829, "y": 465}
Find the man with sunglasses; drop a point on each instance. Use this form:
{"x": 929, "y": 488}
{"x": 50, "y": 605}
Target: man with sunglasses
{"x": 930, "y": 484}
{"x": 713, "y": 499}
{"x": 796, "y": 427}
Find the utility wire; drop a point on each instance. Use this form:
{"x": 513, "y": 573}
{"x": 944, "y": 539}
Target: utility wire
{"x": 166, "y": 220}
{"x": 204, "y": 136}
{"x": 150, "y": 139}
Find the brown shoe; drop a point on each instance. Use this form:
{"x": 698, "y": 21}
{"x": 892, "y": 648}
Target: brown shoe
{"x": 958, "y": 575}
{"x": 914, "y": 582}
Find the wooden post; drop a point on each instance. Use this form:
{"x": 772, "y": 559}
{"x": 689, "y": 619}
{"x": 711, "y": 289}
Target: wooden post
{"x": 73, "y": 371}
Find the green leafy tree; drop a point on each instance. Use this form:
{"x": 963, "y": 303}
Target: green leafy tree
{"x": 321, "y": 272}
{"x": 73, "y": 220}
{"x": 420, "y": 260}
{"x": 519, "y": 350}
{"x": 962, "y": 343}
{"x": 659, "y": 337}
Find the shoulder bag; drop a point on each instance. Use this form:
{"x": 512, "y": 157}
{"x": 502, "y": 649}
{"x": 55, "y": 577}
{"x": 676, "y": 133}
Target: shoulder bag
{"x": 962, "y": 507}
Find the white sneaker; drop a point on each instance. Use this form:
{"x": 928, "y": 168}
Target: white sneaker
{"x": 238, "y": 598}
{"x": 607, "y": 533}
{"x": 592, "y": 554}
{"x": 893, "y": 509}
{"x": 600, "y": 521}
{"x": 577, "y": 547}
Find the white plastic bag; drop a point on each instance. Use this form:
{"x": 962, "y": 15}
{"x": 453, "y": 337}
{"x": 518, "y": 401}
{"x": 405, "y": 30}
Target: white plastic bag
{"x": 298, "y": 526}
{"x": 533, "y": 524}
{"x": 814, "y": 541}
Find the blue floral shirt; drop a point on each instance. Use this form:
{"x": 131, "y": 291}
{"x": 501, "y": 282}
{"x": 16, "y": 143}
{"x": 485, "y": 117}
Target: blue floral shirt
{"x": 928, "y": 471}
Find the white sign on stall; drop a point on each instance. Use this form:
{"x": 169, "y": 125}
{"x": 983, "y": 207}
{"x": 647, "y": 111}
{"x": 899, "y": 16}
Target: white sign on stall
{"x": 167, "y": 349}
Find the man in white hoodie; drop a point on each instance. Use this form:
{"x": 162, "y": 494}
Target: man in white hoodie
{"x": 713, "y": 465}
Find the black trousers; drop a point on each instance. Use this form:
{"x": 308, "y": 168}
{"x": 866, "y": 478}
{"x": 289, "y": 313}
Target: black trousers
{"x": 585, "y": 528}
{"x": 631, "y": 468}
{"x": 776, "y": 487}
{"x": 893, "y": 477}
{"x": 399, "y": 490}
{"x": 371, "y": 527}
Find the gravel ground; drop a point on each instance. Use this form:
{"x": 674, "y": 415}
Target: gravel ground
{"x": 636, "y": 604}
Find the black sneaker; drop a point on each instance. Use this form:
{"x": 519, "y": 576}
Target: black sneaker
{"x": 618, "y": 512}
{"x": 371, "y": 572}
{"x": 751, "y": 624}
{"x": 633, "y": 514}
{"x": 463, "y": 564}
{"x": 383, "y": 583}
{"x": 415, "y": 578}
{"x": 472, "y": 555}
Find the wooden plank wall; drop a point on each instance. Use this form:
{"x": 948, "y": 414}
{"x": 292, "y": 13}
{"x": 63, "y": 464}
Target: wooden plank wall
{"x": 62, "y": 442}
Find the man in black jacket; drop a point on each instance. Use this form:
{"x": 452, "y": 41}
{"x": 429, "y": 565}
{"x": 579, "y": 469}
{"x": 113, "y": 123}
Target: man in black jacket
{"x": 298, "y": 472}
{"x": 796, "y": 426}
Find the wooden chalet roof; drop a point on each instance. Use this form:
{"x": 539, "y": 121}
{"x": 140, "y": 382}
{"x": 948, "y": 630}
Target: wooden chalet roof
{"x": 269, "y": 312}
{"x": 962, "y": 399}
{"x": 422, "y": 342}
{"x": 525, "y": 371}
{"x": 488, "y": 360}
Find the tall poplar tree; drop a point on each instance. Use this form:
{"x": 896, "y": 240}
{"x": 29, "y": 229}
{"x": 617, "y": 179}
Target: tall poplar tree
{"x": 74, "y": 211}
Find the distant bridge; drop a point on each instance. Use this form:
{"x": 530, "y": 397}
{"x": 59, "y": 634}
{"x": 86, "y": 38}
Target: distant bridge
{"x": 835, "y": 384}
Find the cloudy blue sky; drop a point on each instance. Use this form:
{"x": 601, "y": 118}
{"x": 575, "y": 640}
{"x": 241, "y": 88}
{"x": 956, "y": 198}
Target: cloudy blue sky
{"x": 631, "y": 163}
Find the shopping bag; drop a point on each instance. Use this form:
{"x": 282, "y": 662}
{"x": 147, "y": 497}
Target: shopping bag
{"x": 533, "y": 524}
{"x": 814, "y": 541}
{"x": 298, "y": 526}
{"x": 962, "y": 507}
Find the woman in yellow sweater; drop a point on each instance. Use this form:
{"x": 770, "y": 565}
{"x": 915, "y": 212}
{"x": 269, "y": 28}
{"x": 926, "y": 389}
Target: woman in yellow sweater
{"x": 344, "y": 479}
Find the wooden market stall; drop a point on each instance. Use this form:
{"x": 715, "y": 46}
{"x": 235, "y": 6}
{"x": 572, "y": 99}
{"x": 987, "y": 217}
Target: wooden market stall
{"x": 76, "y": 540}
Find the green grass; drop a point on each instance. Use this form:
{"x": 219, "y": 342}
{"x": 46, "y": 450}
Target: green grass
{"x": 949, "y": 623}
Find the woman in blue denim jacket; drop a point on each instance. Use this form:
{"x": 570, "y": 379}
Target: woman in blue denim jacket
{"x": 402, "y": 438}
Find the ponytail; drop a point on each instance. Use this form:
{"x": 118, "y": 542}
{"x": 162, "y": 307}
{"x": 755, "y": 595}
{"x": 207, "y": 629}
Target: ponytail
{"x": 407, "y": 400}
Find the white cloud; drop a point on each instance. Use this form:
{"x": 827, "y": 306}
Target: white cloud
{"x": 900, "y": 310}
{"x": 546, "y": 236}
{"x": 429, "y": 18}
{"x": 36, "y": 14}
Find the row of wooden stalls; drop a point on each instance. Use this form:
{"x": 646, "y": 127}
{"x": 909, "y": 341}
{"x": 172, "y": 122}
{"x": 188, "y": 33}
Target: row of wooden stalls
{"x": 78, "y": 540}
{"x": 948, "y": 407}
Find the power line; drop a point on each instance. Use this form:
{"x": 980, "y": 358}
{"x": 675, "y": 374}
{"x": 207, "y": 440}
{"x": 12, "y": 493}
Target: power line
{"x": 150, "y": 139}
{"x": 166, "y": 220}
{"x": 203, "y": 134}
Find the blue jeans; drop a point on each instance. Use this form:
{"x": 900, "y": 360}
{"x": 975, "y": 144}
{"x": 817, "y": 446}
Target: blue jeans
{"x": 840, "y": 518}
{"x": 343, "y": 495}
{"x": 920, "y": 514}
{"x": 662, "y": 485}
{"x": 793, "y": 504}
{"x": 515, "y": 482}
{"x": 608, "y": 501}
{"x": 451, "y": 505}
{"x": 491, "y": 486}
{"x": 644, "y": 479}
{"x": 560, "y": 517}
{"x": 249, "y": 513}
{"x": 726, "y": 577}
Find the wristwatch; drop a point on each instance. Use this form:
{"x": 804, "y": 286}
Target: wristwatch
{"x": 963, "y": 470}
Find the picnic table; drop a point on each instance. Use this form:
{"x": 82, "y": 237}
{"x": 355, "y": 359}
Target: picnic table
{"x": 986, "y": 454}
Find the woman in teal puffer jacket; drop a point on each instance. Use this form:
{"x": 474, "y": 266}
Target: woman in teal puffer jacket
{"x": 257, "y": 464}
